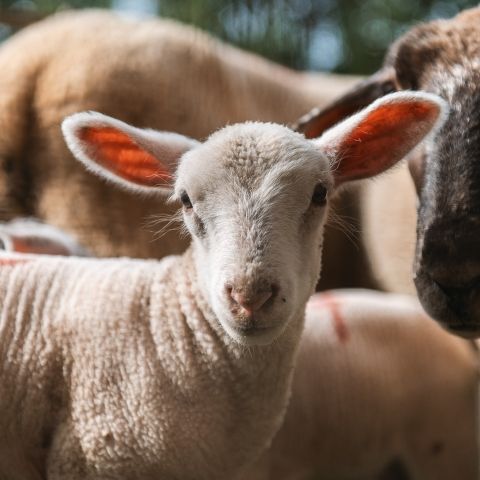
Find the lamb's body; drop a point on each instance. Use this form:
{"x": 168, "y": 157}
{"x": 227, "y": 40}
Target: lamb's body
{"x": 377, "y": 383}
{"x": 140, "y": 381}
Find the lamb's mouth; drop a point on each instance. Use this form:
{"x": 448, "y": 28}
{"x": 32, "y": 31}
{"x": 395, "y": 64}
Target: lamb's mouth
{"x": 255, "y": 330}
{"x": 250, "y": 334}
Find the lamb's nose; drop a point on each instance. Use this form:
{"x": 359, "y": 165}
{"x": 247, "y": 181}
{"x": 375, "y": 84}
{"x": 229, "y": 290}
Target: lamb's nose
{"x": 250, "y": 302}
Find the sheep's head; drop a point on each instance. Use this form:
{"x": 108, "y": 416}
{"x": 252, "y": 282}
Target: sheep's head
{"x": 254, "y": 197}
{"x": 443, "y": 58}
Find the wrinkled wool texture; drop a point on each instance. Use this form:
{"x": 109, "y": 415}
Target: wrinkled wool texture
{"x": 156, "y": 74}
{"x": 118, "y": 369}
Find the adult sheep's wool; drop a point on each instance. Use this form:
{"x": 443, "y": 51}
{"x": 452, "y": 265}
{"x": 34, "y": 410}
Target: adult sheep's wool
{"x": 153, "y": 73}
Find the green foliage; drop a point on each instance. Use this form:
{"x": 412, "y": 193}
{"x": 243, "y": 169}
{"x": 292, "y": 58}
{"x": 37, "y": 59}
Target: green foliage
{"x": 50, "y": 6}
{"x": 348, "y": 36}
{"x": 336, "y": 35}
{"x": 273, "y": 28}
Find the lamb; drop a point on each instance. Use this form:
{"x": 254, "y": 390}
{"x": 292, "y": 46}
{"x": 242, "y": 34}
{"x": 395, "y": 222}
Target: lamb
{"x": 379, "y": 391}
{"x": 440, "y": 57}
{"x": 157, "y": 74}
{"x": 364, "y": 351}
{"x": 181, "y": 368}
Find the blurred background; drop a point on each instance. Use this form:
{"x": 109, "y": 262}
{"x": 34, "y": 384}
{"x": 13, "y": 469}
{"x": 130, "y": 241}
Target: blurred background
{"x": 344, "y": 36}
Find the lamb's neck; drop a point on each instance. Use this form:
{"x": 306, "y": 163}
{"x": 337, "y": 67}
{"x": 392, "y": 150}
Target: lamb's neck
{"x": 177, "y": 290}
{"x": 245, "y": 390}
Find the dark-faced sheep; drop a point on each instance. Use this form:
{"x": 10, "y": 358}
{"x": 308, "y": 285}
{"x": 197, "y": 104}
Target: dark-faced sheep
{"x": 441, "y": 57}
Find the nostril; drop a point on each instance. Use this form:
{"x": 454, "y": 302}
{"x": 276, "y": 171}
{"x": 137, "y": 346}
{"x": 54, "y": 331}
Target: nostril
{"x": 228, "y": 289}
{"x": 254, "y": 301}
{"x": 258, "y": 300}
{"x": 275, "y": 289}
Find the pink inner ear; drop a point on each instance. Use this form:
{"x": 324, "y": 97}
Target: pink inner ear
{"x": 386, "y": 135}
{"x": 119, "y": 154}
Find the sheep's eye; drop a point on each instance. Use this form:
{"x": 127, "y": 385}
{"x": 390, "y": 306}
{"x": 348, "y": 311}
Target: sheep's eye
{"x": 185, "y": 199}
{"x": 319, "y": 196}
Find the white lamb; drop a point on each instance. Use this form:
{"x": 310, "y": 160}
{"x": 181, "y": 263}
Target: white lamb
{"x": 181, "y": 368}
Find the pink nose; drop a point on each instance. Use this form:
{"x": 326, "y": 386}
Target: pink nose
{"x": 251, "y": 302}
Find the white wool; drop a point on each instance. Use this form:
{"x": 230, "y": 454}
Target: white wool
{"x": 125, "y": 370}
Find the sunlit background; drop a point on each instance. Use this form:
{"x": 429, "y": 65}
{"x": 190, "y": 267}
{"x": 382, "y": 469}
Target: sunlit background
{"x": 348, "y": 36}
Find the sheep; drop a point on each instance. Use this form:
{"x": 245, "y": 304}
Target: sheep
{"x": 364, "y": 351}
{"x": 158, "y": 74}
{"x": 28, "y": 235}
{"x": 440, "y": 57}
{"x": 379, "y": 391}
{"x": 390, "y": 249}
{"x": 181, "y": 368}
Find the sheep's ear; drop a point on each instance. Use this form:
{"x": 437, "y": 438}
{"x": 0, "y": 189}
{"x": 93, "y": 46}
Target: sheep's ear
{"x": 376, "y": 138}
{"x": 316, "y": 122}
{"x": 26, "y": 235}
{"x": 138, "y": 159}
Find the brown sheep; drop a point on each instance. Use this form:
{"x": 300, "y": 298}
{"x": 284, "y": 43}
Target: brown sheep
{"x": 157, "y": 74}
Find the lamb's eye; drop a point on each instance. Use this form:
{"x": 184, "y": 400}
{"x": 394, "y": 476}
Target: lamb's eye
{"x": 319, "y": 196}
{"x": 185, "y": 199}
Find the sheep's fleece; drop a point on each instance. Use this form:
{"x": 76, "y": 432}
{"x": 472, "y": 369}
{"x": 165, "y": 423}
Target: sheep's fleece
{"x": 380, "y": 392}
{"x": 89, "y": 373}
{"x": 348, "y": 335}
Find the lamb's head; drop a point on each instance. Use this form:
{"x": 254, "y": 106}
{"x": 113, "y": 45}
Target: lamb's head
{"x": 440, "y": 57}
{"x": 254, "y": 197}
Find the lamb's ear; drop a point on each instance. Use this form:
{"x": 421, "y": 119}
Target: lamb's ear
{"x": 138, "y": 159}
{"x": 376, "y": 138}
{"x": 314, "y": 123}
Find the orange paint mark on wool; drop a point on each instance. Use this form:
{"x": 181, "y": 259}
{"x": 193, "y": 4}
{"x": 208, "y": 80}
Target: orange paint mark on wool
{"x": 329, "y": 302}
{"x": 9, "y": 262}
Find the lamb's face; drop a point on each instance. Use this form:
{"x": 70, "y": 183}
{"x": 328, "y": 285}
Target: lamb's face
{"x": 255, "y": 201}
